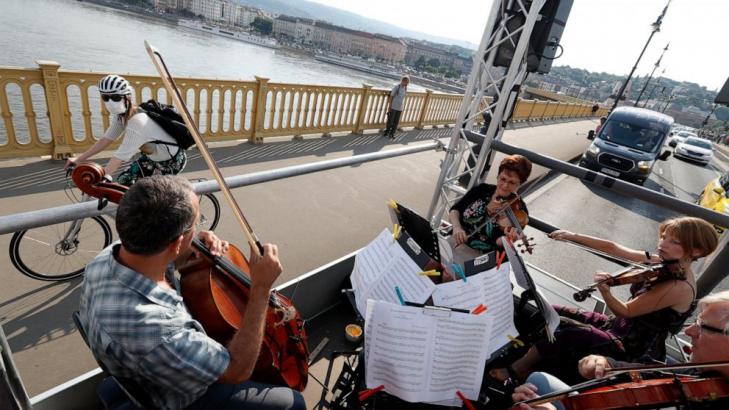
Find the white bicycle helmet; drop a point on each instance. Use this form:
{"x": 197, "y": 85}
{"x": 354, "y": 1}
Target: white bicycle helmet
{"x": 114, "y": 84}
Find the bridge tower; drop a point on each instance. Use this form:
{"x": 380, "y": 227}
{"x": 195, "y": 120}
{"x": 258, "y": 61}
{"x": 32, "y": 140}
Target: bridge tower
{"x": 499, "y": 68}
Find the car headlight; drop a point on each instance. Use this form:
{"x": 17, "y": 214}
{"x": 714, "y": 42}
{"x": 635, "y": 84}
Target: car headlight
{"x": 593, "y": 149}
{"x": 645, "y": 165}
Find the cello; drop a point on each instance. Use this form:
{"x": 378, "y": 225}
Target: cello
{"x": 216, "y": 291}
{"x": 222, "y": 282}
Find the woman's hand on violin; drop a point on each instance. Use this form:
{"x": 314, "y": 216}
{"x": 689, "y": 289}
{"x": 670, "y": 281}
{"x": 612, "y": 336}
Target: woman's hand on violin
{"x": 265, "y": 268}
{"x": 562, "y": 235}
{"x": 603, "y": 277}
{"x": 593, "y": 366}
{"x": 512, "y": 234}
{"x": 216, "y": 245}
{"x": 528, "y": 391}
{"x": 459, "y": 235}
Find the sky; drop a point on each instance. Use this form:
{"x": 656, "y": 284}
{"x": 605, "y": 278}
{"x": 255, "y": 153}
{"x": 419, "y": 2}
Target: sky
{"x": 600, "y": 35}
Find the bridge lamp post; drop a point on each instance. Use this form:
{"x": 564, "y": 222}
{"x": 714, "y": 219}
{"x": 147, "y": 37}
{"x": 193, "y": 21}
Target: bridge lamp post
{"x": 656, "y": 28}
{"x": 655, "y": 66}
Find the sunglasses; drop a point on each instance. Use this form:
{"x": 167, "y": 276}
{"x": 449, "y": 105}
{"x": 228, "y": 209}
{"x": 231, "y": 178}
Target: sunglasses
{"x": 113, "y": 97}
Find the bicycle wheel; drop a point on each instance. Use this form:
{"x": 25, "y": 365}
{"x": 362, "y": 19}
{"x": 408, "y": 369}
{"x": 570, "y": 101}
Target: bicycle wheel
{"x": 44, "y": 253}
{"x": 209, "y": 212}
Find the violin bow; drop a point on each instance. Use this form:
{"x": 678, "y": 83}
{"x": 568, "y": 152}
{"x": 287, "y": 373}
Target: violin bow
{"x": 177, "y": 99}
{"x": 605, "y": 255}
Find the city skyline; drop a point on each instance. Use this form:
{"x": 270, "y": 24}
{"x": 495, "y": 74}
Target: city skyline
{"x": 690, "y": 26}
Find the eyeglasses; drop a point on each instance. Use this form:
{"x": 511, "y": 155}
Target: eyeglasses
{"x": 113, "y": 97}
{"x": 702, "y": 327}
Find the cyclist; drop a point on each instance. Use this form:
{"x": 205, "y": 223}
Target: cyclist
{"x": 159, "y": 151}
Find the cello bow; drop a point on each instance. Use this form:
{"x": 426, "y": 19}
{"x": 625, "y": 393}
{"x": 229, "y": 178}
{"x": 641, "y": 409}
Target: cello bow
{"x": 174, "y": 92}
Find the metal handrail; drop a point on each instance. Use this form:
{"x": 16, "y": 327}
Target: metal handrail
{"x": 33, "y": 219}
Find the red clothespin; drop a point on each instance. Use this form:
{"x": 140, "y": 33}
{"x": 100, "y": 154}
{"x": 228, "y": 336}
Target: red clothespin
{"x": 479, "y": 309}
{"x": 366, "y": 394}
{"x": 466, "y": 402}
{"x": 499, "y": 258}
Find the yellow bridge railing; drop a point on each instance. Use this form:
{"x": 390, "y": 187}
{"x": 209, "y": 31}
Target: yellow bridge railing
{"x": 48, "y": 111}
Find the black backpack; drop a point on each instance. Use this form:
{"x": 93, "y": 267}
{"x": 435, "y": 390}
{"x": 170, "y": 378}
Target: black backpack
{"x": 169, "y": 120}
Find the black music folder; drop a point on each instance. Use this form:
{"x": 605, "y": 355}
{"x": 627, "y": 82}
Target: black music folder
{"x": 418, "y": 228}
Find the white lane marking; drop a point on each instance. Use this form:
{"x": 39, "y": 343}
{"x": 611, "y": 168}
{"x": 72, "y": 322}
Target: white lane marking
{"x": 660, "y": 171}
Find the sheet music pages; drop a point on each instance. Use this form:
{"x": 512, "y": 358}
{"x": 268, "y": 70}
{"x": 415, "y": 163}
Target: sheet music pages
{"x": 491, "y": 288}
{"x": 380, "y": 267}
{"x": 425, "y": 355}
{"x": 523, "y": 279}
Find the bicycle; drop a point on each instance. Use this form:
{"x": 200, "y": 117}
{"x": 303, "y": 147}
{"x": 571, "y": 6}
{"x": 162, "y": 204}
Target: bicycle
{"x": 60, "y": 252}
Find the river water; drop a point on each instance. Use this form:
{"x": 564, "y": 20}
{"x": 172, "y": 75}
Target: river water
{"x": 85, "y": 36}
{"x": 88, "y": 37}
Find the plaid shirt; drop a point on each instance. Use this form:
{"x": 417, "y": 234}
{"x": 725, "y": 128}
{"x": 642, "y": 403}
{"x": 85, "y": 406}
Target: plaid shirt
{"x": 144, "y": 332}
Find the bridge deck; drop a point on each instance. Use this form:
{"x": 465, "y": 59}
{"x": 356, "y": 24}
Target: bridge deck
{"x": 344, "y": 208}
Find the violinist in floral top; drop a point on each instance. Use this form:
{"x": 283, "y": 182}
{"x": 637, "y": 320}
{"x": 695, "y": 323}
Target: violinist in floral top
{"x": 475, "y": 231}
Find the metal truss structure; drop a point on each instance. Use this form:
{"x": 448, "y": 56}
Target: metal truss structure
{"x": 491, "y": 90}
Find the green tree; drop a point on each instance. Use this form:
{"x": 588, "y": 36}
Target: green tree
{"x": 434, "y": 62}
{"x": 420, "y": 63}
{"x": 262, "y": 25}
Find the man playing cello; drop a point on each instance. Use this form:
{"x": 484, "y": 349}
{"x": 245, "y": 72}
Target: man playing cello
{"x": 710, "y": 343}
{"x": 138, "y": 326}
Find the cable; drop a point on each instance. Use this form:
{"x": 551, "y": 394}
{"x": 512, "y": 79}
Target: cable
{"x": 554, "y": 45}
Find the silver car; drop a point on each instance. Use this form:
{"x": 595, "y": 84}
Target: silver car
{"x": 695, "y": 149}
{"x": 680, "y": 136}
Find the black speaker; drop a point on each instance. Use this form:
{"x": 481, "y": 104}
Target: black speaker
{"x": 544, "y": 40}
{"x": 723, "y": 96}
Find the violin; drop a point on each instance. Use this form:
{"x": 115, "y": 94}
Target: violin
{"x": 669, "y": 391}
{"x": 511, "y": 215}
{"x": 216, "y": 291}
{"x": 655, "y": 272}
{"x": 613, "y": 392}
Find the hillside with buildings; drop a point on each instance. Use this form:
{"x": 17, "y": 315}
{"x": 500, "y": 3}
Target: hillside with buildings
{"x": 689, "y": 103}
{"x": 347, "y": 35}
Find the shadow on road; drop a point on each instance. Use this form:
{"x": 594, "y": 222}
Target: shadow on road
{"x": 40, "y": 315}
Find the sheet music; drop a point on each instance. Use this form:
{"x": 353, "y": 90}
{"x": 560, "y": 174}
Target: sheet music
{"x": 369, "y": 260}
{"x": 491, "y": 288}
{"x": 425, "y": 355}
{"x": 526, "y": 282}
{"x": 380, "y": 267}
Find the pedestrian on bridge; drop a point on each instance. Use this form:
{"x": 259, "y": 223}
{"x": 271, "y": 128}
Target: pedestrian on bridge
{"x": 395, "y": 105}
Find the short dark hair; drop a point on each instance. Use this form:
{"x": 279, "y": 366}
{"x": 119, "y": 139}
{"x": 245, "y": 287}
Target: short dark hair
{"x": 518, "y": 164}
{"x": 154, "y": 212}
